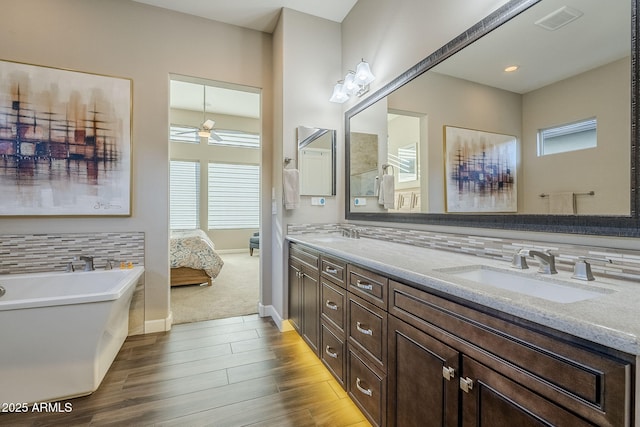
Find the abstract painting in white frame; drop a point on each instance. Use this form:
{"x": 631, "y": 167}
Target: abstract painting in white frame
{"x": 480, "y": 171}
{"x": 65, "y": 142}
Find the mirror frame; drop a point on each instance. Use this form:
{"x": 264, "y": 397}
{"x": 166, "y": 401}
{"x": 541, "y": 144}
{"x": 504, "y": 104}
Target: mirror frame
{"x": 308, "y": 140}
{"x": 621, "y": 226}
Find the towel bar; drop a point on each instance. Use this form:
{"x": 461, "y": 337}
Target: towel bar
{"x": 588, "y": 193}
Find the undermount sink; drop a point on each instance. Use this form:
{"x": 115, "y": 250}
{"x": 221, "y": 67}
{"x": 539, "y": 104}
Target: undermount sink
{"x": 331, "y": 239}
{"x": 549, "y": 289}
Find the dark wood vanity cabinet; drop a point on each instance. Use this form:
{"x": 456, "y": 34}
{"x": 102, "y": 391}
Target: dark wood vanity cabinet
{"x": 423, "y": 379}
{"x": 407, "y": 357}
{"x": 510, "y": 373}
{"x": 304, "y": 293}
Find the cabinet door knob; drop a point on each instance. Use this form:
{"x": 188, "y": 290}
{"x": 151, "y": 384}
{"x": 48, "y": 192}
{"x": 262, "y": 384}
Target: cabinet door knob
{"x": 448, "y": 372}
{"x": 331, "y": 305}
{"x": 364, "y": 285}
{"x": 363, "y": 390}
{"x": 331, "y": 353}
{"x": 363, "y": 330}
{"x": 466, "y": 384}
{"x": 331, "y": 270}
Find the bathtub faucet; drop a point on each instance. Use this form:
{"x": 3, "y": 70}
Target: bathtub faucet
{"x": 88, "y": 262}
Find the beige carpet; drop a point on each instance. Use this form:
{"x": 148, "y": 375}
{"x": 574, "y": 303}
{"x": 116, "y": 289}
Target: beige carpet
{"x": 235, "y": 292}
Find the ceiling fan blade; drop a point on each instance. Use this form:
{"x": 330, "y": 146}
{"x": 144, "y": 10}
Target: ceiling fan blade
{"x": 215, "y": 136}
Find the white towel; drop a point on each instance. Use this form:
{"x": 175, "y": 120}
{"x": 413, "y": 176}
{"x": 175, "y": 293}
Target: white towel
{"x": 291, "y": 184}
{"x": 387, "y": 192}
{"x": 562, "y": 204}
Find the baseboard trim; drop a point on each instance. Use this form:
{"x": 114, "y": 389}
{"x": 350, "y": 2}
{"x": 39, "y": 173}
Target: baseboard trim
{"x": 158, "y": 325}
{"x": 270, "y": 311}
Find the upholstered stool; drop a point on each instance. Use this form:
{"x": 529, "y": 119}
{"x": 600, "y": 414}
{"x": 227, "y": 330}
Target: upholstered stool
{"x": 254, "y": 242}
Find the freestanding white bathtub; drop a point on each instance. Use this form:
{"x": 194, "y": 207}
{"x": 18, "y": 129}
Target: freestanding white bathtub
{"x": 59, "y": 332}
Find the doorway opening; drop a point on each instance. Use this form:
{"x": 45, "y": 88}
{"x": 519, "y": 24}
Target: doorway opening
{"x": 215, "y": 152}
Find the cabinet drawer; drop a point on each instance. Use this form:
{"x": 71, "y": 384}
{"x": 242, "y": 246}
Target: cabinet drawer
{"x": 333, "y": 304}
{"x": 368, "y": 329}
{"x": 586, "y": 379}
{"x": 367, "y": 388}
{"x": 333, "y": 269}
{"x": 370, "y": 286}
{"x": 304, "y": 254}
{"x": 333, "y": 354}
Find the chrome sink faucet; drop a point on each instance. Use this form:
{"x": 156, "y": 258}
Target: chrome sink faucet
{"x": 582, "y": 268}
{"x": 88, "y": 262}
{"x": 547, "y": 261}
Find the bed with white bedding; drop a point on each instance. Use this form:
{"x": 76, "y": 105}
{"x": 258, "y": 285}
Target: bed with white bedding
{"x": 193, "y": 258}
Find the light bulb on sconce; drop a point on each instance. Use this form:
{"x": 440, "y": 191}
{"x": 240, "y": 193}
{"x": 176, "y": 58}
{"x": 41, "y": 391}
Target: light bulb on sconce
{"x": 354, "y": 83}
{"x": 339, "y": 95}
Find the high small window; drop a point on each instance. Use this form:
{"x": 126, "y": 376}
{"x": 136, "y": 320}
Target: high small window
{"x": 235, "y": 138}
{"x": 187, "y": 134}
{"x": 569, "y": 137}
{"x": 184, "y": 194}
{"x": 234, "y": 196}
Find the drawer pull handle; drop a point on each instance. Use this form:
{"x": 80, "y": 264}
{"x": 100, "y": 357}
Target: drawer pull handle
{"x": 363, "y": 390}
{"x": 363, "y": 330}
{"x": 331, "y": 270}
{"x": 331, "y": 353}
{"x": 466, "y": 384}
{"x": 448, "y": 372}
{"x": 364, "y": 285}
{"x": 331, "y": 305}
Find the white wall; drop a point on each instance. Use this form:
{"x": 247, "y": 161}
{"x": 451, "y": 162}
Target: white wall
{"x": 603, "y": 93}
{"x": 147, "y": 44}
{"x": 307, "y": 65}
{"x": 394, "y": 35}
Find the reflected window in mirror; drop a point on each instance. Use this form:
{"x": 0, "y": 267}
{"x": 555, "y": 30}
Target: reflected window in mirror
{"x": 569, "y": 137}
{"x": 316, "y": 161}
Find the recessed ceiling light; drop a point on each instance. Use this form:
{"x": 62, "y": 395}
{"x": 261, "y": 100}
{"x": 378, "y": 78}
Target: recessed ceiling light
{"x": 511, "y": 68}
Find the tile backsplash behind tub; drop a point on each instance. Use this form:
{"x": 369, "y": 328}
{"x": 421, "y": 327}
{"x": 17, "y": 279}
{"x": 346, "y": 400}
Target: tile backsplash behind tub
{"x": 35, "y": 253}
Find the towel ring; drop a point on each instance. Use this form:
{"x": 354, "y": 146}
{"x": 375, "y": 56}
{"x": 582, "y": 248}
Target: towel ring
{"x": 386, "y": 166}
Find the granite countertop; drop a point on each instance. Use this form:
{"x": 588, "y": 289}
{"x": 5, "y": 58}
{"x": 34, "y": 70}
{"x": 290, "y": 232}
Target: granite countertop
{"x": 611, "y": 319}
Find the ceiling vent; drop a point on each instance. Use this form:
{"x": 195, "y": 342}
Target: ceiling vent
{"x": 559, "y": 18}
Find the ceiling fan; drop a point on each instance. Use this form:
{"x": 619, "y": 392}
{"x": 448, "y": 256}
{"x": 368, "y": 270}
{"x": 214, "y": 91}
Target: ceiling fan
{"x": 206, "y": 128}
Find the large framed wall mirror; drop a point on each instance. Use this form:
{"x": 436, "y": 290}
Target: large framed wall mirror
{"x": 549, "y": 144}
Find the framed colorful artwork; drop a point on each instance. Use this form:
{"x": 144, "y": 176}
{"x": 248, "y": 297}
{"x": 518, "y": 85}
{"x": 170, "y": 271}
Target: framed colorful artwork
{"x": 65, "y": 142}
{"x": 480, "y": 171}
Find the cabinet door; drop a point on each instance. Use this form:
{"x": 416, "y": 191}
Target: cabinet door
{"x": 490, "y": 399}
{"x": 295, "y": 297}
{"x": 422, "y": 378}
{"x": 310, "y": 309}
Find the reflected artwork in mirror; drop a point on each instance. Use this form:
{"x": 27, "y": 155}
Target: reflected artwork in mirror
{"x": 316, "y": 161}
{"x": 563, "y": 89}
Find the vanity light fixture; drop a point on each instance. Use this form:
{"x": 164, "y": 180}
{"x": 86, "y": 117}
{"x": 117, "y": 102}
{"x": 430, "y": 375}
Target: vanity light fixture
{"x": 354, "y": 83}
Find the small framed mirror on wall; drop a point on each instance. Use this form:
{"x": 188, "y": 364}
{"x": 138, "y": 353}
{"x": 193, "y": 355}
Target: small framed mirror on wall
{"x": 317, "y": 161}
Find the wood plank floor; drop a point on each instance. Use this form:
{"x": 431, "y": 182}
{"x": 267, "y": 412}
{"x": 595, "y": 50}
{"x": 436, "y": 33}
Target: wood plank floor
{"x": 239, "y": 371}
